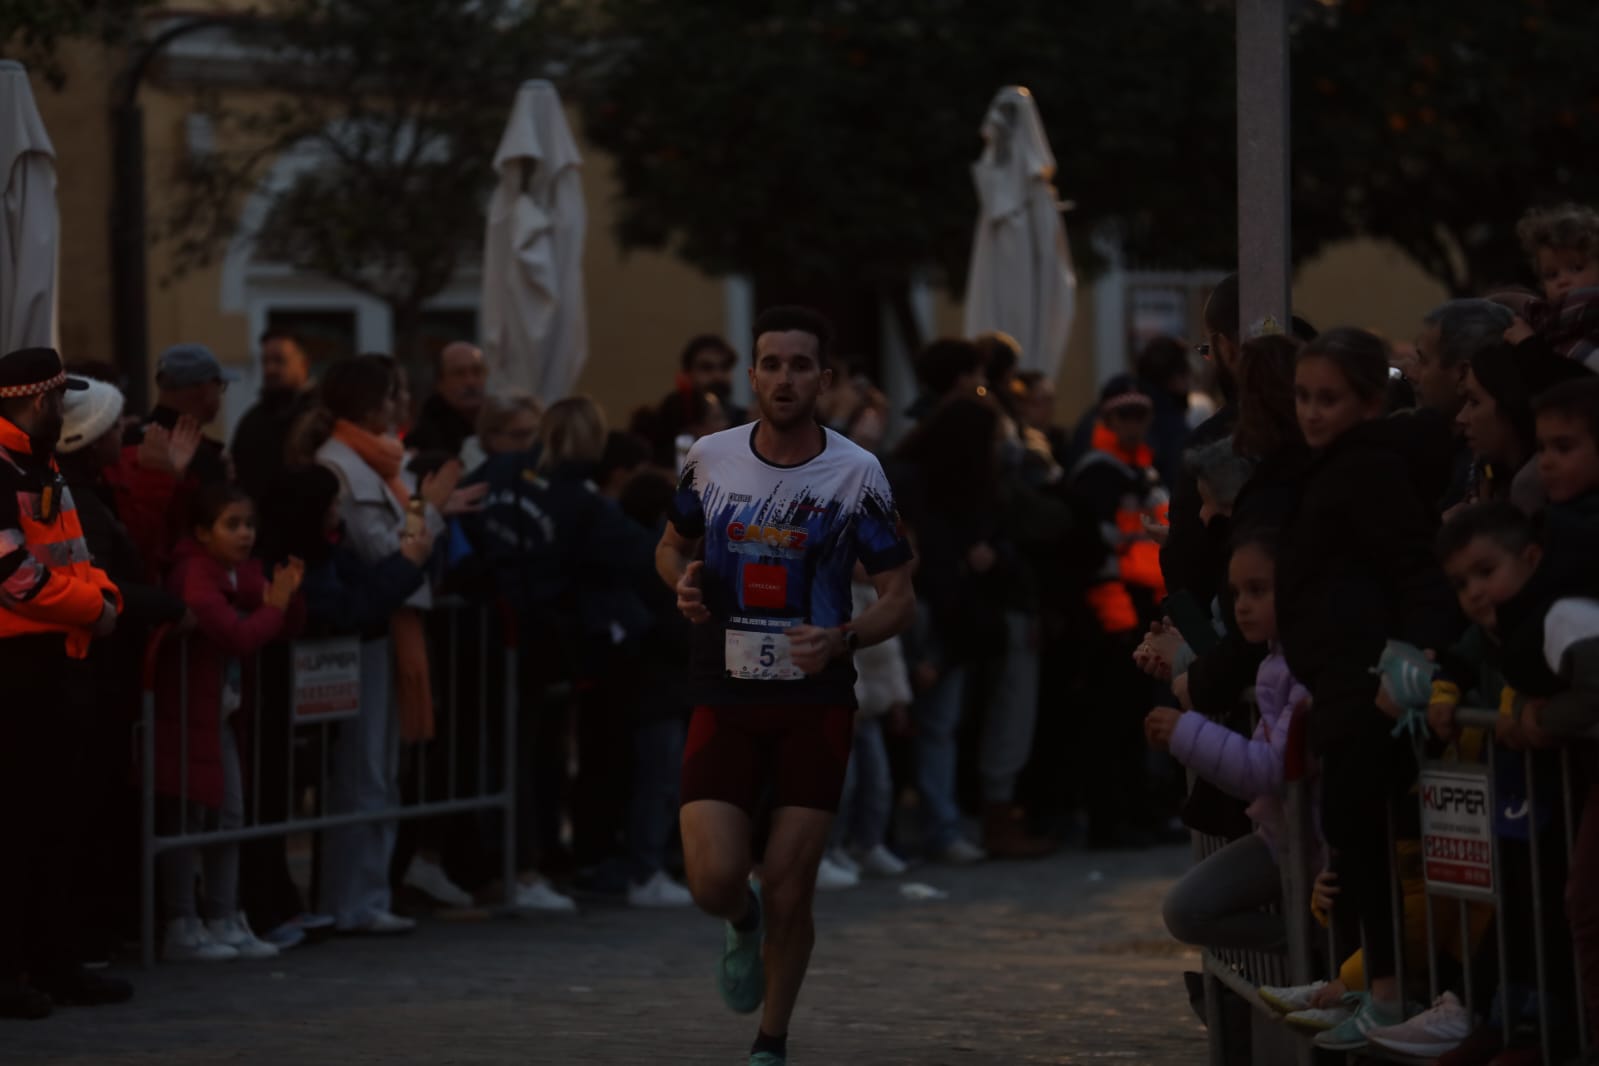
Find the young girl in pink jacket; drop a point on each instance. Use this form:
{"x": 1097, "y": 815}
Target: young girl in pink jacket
{"x": 1219, "y": 902}
{"x": 198, "y": 773}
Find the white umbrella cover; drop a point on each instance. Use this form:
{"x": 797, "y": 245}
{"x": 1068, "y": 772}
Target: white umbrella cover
{"x": 29, "y": 224}
{"x": 535, "y": 326}
{"x": 1021, "y": 280}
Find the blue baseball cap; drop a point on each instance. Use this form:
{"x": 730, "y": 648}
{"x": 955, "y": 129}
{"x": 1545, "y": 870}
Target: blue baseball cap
{"x": 185, "y": 365}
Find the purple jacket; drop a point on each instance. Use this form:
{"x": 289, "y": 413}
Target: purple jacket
{"x": 1252, "y": 768}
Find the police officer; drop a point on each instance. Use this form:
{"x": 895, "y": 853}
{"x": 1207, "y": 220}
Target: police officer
{"x": 53, "y": 602}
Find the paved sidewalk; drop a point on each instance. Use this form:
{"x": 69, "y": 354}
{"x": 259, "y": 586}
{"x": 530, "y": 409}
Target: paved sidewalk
{"x": 1061, "y": 961}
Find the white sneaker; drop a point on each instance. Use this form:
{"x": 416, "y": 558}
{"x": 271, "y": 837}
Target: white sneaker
{"x": 880, "y": 862}
{"x": 962, "y": 853}
{"x": 659, "y": 891}
{"x": 841, "y": 858}
{"x": 539, "y": 896}
{"x": 236, "y": 933}
{"x": 381, "y": 923}
{"x": 1431, "y": 1033}
{"x": 1290, "y": 998}
{"x": 831, "y": 877}
{"x": 430, "y": 879}
{"x": 188, "y": 941}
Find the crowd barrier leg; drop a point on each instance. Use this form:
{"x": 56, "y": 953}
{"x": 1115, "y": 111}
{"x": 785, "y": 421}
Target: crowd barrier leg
{"x": 147, "y": 843}
{"x": 1215, "y": 1023}
{"x": 1571, "y": 850}
{"x": 1396, "y": 902}
{"x": 1540, "y": 972}
{"x": 508, "y": 756}
{"x": 147, "y": 829}
{"x": 1506, "y": 1019}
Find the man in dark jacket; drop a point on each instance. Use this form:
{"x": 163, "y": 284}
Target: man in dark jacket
{"x": 190, "y": 382}
{"x": 450, "y": 415}
{"x": 285, "y": 395}
{"x": 154, "y": 502}
{"x": 1188, "y": 559}
{"x": 1194, "y": 557}
{"x": 1451, "y": 336}
{"x": 568, "y": 560}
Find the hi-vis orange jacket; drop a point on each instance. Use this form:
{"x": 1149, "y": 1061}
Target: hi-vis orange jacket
{"x": 48, "y": 583}
{"x": 1122, "y": 489}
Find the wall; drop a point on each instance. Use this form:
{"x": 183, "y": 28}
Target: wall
{"x": 79, "y": 125}
{"x": 1367, "y": 283}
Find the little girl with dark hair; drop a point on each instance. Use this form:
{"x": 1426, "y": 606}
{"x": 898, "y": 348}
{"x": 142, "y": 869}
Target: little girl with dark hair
{"x": 198, "y": 773}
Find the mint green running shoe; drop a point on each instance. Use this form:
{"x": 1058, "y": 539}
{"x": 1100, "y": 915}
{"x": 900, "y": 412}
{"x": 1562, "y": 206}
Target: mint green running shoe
{"x": 740, "y": 977}
{"x": 1351, "y": 1033}
{"x": 768, "y": 1058}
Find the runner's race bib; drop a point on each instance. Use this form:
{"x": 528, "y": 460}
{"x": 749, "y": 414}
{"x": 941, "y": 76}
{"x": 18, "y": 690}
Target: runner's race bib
{"x": 760, "y": 654}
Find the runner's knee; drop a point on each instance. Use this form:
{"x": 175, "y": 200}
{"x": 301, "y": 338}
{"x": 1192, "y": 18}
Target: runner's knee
{"x": 786, "y": 894}
{"x": 719, "y": 888}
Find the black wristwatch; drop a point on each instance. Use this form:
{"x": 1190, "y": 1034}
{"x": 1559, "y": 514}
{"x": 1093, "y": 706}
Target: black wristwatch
{"x": 852, "y": 640}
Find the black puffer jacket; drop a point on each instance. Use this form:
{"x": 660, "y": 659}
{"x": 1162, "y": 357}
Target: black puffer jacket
{"x": 1356, "y": 567}
{"x": 1195, "y": 556}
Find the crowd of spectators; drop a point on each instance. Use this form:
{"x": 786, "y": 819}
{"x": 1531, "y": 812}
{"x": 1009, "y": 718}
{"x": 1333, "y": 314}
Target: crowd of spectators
{"x": 1092, "y": 602}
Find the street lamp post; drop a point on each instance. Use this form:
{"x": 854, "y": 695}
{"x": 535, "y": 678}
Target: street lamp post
{"x": 129, "y": 238}
{"x": 1264, "y": 223}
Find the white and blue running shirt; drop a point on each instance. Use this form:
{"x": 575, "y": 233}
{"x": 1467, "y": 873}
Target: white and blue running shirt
{"x": 780, "y": 545}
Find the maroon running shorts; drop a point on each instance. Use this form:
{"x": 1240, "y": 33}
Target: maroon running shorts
{"x": 800, "y": 750}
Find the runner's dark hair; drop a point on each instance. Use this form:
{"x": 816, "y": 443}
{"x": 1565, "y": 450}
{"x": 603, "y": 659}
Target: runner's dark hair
{"x": 793, "y": 318}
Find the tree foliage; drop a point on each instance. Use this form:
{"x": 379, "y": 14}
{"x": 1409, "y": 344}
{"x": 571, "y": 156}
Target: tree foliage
{"x": 399, "y": 105}
{"x": 813, "y": 141}
{"x": 32, "y": 30}
{"x": 1436, "y": 125}
{"x": 832, "y": 138}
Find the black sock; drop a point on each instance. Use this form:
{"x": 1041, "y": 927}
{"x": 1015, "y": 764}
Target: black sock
{"x": 777, "y": 1045}
{"x": 752, "y": 914}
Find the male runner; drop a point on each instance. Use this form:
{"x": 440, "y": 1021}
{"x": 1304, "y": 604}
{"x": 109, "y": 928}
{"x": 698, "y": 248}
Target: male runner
{"x": 767, "y": 526}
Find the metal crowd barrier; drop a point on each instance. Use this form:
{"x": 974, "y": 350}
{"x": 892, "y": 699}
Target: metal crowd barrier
{"x": 321, "y": 687}
{"x": 1462, "y": 862}
{"x": 1242, "y": 972}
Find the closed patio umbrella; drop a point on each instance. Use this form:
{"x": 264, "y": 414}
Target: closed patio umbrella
{"x": 29, "y": 224}
{"x": 535, "y": 325}
{"x": 1021, "y": 280}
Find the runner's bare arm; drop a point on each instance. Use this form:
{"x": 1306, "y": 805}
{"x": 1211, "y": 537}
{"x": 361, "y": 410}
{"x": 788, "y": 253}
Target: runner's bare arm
{"x": 674, "y": 561}
{"x": 894, "y": 610}
{"x": 813, "y": 647}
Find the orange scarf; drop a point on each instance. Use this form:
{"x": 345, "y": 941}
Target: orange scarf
{"x": 413, "y": 685}
{"x": 384, "y": 454}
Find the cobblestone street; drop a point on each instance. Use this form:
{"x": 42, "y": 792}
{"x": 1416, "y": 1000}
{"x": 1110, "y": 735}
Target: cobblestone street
{"x": 1063, "y": 961}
